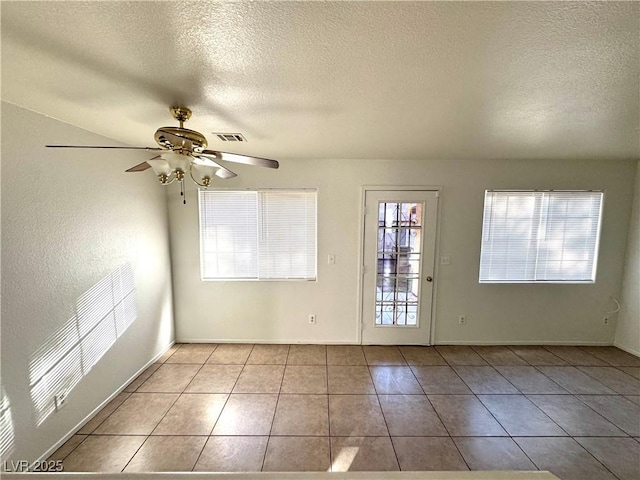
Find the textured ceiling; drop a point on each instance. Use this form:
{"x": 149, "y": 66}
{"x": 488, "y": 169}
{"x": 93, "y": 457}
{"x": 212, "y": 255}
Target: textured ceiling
{"x": 397, "y": 80}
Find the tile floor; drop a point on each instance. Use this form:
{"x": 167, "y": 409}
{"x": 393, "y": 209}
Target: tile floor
{"x": 574, "y": 411}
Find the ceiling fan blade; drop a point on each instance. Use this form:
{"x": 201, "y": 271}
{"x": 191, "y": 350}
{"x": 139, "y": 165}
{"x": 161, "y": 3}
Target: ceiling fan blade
{"x": 141, "y": 167}
{"x": 115, "y": 148}
{"x": 221, "y": 172}
{"x": 247, "y": 160}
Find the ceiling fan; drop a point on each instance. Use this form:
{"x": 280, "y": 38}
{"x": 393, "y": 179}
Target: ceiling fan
{"x": 183, "y": 151}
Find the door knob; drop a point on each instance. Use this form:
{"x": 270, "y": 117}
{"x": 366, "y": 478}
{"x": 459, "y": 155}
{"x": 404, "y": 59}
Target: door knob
{"x": 429, "y": 279}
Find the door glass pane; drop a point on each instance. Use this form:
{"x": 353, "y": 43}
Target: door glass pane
{"x": 398, "y": 264}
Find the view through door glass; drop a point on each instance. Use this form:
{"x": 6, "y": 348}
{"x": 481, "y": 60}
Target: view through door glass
{"x": 398, "y": 257}
{"x": 398, "y": 263}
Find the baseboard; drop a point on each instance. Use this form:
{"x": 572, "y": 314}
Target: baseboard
{"x": 270, "y": 342}
{"x": 95, "y": 411}
{"x": 440, "y": 342}
{"x": 630, "y": 350}
{"x": 526, "y": 342}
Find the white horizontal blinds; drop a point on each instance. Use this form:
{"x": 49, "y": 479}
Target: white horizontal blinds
{"x": 569, "y": 236}
{"x": 540, "y": 236}
{"x": 258, "y": 235}
{"x": 509, "y": 236}
{"x": 287, "y": 239}
{"x": 229, "y": 234}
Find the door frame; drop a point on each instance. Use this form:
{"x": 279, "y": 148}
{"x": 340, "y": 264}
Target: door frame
{"x": 399, "y": 188}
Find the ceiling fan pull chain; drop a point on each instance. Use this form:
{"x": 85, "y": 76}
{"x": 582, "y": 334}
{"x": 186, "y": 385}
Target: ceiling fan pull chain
{"x": 184, "y": 197}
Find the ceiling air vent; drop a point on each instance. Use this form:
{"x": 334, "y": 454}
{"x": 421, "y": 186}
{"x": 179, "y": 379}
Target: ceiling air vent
{"x": 230, "y": 137}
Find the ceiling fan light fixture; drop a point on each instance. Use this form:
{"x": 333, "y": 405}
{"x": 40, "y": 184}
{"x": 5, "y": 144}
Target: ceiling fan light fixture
{"x": 202, "y": 170}
{"x": 177, "y": 161}
{"x": 185, "y": 150}
{"x": 162, "y": 169}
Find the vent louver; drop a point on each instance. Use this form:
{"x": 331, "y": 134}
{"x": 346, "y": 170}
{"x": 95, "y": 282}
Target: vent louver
{"x": 230, "y": 137}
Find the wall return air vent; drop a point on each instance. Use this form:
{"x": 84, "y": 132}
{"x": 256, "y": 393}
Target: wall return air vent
{"x": 230, "y": 137}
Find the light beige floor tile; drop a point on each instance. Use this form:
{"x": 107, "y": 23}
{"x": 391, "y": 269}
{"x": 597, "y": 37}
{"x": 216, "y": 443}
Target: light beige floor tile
{"x": 167, "y": 454}
{"x": 395, "y": 380}
{"x": 530, "y": 380}
{"x": 232, "y": 454}
{"x": 617, "y": 409}
{"x": 247, "y": 414}
{"x": 634, "y": 398}
{"x": 614, "y": 356}
{"x": 103, "y": 453}
{"x": 616, "y": 380}
{"x": 633, "y": 371}
{"x": 297, "y": 454}
{"x": 428, "y": 454}
{"x": 465, "y": 416}
{"x": 411, "y": 415}
{"x": 575, "y": 381}
{"x": 231, "y": 354}
{"x": 519, "y": 417}
{"x": 484, "y": 380}
{"x": 304, "y": 379}
{"x": 260, "y": 379}
{"x": 497, "y": 453}
{"x": 422, "y": 356}
{"x": 356, "y": 415}
{"x": 138, "y": 415}
{"x": 192, "y": 414}
{"x": 169, "y": 352}
{"x": 307, "y": 355}
{"x": 620, "y": 455}
{"x": 460, "y": 355}
{"x": 303, "y": 415}
{"x": 345, "y": 355}
{"x": 350, "y": 379}
{"x": 535, "y": 355}
{"x": 192, "y": 353}
{"x": 440, "y": 380}
{"x": 499, "y": 355}
{"x": 215, "y": 379}
{"x": 563, "y": 457}
{"x": 574, "y": 416}
{"x": 362, "y": 454}
{"x": 68, "y": 447}
{"x": 102, "y": 415}
{"x": 133, "y": 386}
{"x": 269, "y": 355}
{"x": 575, "y": 355}
{"x": 170, "y": 378}
{"x": 383, "y": 355}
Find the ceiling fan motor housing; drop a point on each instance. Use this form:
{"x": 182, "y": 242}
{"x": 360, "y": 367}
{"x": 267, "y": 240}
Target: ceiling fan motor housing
{"x": 180, "y": 139}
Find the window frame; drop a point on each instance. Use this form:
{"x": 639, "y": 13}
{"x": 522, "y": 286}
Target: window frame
{"x": 202, "y": 191}
{"x": 554, "y": 281}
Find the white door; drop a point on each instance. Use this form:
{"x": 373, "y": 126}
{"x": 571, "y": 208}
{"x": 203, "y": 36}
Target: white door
{"x": 398, "y": 268}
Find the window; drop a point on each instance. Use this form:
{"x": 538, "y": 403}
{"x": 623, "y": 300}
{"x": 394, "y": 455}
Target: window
{"x": 258, "y": 234}
{"x": 540, "y": 236}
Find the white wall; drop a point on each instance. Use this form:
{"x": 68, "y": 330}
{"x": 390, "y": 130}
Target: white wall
{"x": 69, "y": 218}
{"x": 628, "y": 325}
{"x": 277, "y": 311}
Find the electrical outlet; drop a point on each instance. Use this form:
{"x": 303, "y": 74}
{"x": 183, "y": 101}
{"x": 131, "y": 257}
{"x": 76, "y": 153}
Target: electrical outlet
{"x": 331, "y": 259}
{"x": 462, "y": 319}
{"x": 445, "y": 260}
{"x": 60, "y": 400}
{"x": 605, "y": 320}
{"x": 312, "y": 318}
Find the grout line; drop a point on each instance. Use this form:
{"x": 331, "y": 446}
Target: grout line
{"x": 326, "y": 373}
